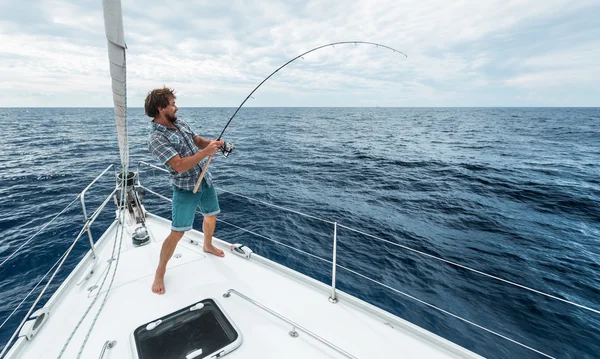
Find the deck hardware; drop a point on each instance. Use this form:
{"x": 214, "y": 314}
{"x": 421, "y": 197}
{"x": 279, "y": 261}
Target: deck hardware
{"x": 332, "y": 298}
{"x": 197, "y": 307}
{"x": 140, "y": 236}
{"x": 92, "y": 288}
{"x": 241, "y": 250}
{"x": 32, "y": 326}
{"x": 88, "y": 273}
{"x": 109, "y": 344}
{"x": 295, "y": 325}
{"x": 218, "y": 355}
{"x": 293, "y": 333}
{"x": 153, "y": 325}
{"x": 196, "y": 353}
{"x": 205, "y": 330}
{"x": 178, "y": 255}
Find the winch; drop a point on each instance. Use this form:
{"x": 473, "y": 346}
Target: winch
{"x": 140, "y": 235}
{"x": 136, "y": 214}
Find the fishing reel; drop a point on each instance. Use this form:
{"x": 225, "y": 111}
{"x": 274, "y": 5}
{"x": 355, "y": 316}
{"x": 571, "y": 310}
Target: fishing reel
{"x": 227, "y": 149}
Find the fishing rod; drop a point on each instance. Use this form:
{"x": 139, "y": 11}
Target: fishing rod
{"x": 227, "y": 148}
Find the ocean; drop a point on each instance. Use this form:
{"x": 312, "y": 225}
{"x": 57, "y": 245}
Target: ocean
{"x": 512, "y": 192}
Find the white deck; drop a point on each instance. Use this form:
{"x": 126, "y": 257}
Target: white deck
{"x": 352, "y": 325}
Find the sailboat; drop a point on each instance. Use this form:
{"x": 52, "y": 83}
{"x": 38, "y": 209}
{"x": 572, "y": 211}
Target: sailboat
{"x": 242, "y": 305}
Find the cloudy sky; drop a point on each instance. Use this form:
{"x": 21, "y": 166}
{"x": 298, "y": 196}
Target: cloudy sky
{"x": 460, "y": 53}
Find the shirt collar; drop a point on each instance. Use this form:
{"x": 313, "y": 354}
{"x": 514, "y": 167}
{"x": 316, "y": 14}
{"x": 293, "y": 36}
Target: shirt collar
{"x": 160, "y": 128}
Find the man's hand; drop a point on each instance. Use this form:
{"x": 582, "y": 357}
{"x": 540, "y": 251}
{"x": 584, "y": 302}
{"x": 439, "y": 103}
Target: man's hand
{"x": 213, "y": 147}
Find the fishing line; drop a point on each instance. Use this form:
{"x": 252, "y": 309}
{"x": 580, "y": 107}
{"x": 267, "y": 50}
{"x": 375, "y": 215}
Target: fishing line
{"x": 294, "y": 59}
{"x": 227, "y": 148}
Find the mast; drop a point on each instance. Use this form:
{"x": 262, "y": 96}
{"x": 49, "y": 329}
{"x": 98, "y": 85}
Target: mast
{"x": 113, "y": 25}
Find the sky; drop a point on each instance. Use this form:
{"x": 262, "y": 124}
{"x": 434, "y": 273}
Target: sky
{"x": 53, "y": 53}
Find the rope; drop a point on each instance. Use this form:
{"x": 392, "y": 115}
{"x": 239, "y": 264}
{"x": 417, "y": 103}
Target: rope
{"x": 43, "y": 291}
{"x": 447, "y": 312}
{"x": 64, "y": 257}
{"x": 105, "y": 295}
{"x": 125, "y": 171}
{"x": 38, "y": 232}
{"x": 121, "y": 218}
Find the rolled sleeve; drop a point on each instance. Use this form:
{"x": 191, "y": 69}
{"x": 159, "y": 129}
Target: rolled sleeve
{"x": 160, "y": 147}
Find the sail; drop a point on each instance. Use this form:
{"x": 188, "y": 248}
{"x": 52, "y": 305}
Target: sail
{"x": 113, "y": 25}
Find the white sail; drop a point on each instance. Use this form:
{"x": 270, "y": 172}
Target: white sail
{"x": 113, "y": 25}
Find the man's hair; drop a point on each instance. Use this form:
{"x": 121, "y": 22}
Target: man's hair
{"x": 157, "y": 98}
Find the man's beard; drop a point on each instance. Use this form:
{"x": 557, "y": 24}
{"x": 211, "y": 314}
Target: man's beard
{"x": 171, "y": 119}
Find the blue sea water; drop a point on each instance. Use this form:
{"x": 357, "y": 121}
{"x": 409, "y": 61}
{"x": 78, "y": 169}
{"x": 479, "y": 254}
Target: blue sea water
{"x": 514, "y": 192}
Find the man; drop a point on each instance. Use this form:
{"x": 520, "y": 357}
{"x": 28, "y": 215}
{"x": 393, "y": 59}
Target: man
{"x": 174, "y": 143}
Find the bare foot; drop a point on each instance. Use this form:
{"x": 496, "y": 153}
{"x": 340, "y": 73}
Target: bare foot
{"x": 214, "y": 250}
{"x": 158, "y": 286}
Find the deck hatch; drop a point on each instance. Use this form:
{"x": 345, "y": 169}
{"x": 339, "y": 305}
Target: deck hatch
{"x": 200, "y": 330}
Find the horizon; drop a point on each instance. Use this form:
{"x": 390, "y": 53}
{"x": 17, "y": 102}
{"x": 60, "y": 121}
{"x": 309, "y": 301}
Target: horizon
{"x": 235, "y": 107}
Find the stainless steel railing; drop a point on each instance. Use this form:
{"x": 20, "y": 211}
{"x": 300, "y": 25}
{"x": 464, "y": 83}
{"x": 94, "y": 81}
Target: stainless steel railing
{"x": 333, "y": 298}
{"x": 335, "y": 230}
{"x": 289, "y": 321}
{"x": 86, "y": 228}
{"x": 82, "y": 197}
{"x": 88, "y": 220}
{"x": 109, "y": 344}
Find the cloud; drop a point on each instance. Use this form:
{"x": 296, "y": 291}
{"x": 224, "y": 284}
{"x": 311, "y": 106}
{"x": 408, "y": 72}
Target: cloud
{"x": 577, "y": 66}
{"x": 461, "y": 53}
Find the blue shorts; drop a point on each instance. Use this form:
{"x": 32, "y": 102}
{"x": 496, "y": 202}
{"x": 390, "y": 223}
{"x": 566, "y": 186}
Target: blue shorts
{"x": 185, "y": 203}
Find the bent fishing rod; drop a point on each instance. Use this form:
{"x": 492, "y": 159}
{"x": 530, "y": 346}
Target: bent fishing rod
{"x": 228, "y": 148}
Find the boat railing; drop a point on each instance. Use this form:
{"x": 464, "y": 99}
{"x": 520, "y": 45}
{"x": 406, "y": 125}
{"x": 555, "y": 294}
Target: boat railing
{"x": 333, "y": 297}
{"x": 89, "y": 220}
{"x": 95, "y": 214}
{"x": 295, "y": 325}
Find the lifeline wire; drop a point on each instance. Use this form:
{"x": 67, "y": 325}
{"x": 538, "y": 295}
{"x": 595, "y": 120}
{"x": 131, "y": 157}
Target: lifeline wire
{"x": 7, "y": 346}
{"x": 111, "y": 280}
{"x": 382, "y": 284}
{"x": 122, "y": 199}
{"x": 60, "y": 263}
{"x": 38, "y": 232}
{"x": 407, "y": 248}
{"x": 32, "y": 290}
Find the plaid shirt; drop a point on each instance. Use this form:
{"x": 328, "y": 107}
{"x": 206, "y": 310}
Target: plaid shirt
{"x": 165, "y": 143}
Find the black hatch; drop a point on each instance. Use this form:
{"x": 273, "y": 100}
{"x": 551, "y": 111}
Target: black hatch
{"x": 198, "y": 331}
